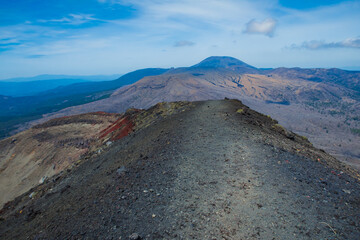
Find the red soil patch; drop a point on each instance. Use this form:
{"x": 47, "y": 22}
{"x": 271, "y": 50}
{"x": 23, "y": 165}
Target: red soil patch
{"x": 121, "y": 128}
{"x": 124, "y": 131}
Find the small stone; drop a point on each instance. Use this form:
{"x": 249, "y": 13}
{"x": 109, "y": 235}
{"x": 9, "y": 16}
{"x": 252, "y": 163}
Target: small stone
{"x": 346, "y": 191}
{"x": 145, "y": 191}
{"x": 121, "y": 170}
{"x": 32, "y": 195}
{"x": 42, "y": 180}
{"x": 153, "y": 215}
{"x": 135, "y": 236}
{"x": 108, "y": 143}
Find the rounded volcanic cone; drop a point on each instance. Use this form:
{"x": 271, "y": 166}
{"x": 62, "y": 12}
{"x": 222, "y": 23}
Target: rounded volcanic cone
{"x": 222, "y": 62}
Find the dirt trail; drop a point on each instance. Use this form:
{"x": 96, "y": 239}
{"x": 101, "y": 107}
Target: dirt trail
{"x": 205, "y": 173}
{"x": 230, "y": 185}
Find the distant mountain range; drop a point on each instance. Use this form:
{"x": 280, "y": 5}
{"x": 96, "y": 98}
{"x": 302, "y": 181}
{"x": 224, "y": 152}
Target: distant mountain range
{"x": 31, "y": 86}
{"x": 322, "y": 104}
{"x": 219, "y": 77}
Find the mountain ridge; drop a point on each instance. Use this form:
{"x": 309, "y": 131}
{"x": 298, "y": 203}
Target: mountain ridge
{"x": 209, "y": 169}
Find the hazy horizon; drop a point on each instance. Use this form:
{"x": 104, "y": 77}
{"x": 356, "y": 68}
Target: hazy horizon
{"x": 40, "y": 77}
{"x": 115, "y": 75}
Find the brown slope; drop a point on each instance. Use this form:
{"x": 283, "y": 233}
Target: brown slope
{"x": 217, "y": 170}
{"x": 30, "y": 157}
{"x": 323, "y": 111}
{"x": 202, "y": 84}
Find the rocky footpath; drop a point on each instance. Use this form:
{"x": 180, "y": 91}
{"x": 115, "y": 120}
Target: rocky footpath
{"x": 208, "y": 170}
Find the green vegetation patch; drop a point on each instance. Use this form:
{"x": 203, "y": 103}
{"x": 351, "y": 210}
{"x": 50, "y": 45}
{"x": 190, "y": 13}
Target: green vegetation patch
{"x": 304, "y": 138}
{"x": 279, "y": 128}
{"x": 355, "y": 131}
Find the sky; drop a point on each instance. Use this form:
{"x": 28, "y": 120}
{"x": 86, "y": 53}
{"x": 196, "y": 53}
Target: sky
{"x": 91, "y": 37}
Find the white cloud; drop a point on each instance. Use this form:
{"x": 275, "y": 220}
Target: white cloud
{"x": 5, "y": 41}
{"x": 72, "y": 19}
{"x": 183, "y": 43}
{"x": 192, "y": 13}
{"x": 266, "y": 27}
{"x": 314, "y": 45}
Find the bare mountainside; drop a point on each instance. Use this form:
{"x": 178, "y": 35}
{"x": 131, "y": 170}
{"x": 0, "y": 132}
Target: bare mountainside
{"x": 321, "y": 104}
{"x": 32, "y": 156}
{"x": 201, "y": 170}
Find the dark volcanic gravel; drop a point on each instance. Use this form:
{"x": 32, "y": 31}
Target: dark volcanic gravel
{"x": 206, "y": 173}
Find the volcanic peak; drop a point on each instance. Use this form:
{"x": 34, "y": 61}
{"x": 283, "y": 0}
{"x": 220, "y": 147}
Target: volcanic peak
{"x": 222, "y": 62}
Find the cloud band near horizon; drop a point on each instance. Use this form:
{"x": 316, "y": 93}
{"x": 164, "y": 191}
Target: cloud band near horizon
{"x": 315, "y": 44}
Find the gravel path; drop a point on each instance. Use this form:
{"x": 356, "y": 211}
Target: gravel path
{"x": 231, "y": 185}
{"x": 206, "y": 173}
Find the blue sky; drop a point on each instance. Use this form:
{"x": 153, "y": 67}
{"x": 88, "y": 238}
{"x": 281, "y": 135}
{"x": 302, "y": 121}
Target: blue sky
{"x": 85, "y": 37}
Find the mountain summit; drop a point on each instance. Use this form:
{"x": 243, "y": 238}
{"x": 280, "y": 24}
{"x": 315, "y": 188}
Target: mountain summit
{"x": 222, "y": 62}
